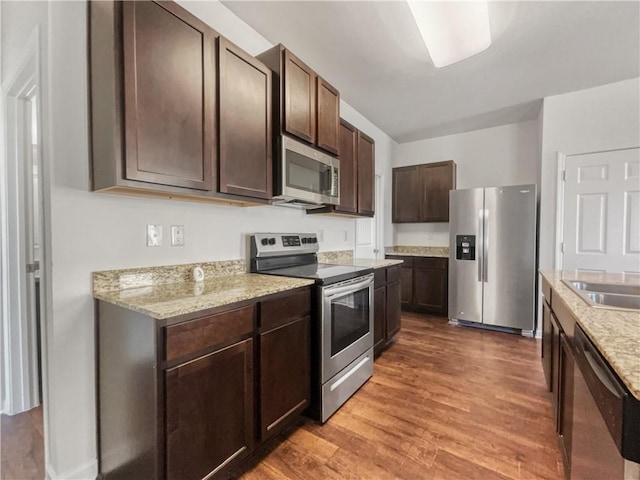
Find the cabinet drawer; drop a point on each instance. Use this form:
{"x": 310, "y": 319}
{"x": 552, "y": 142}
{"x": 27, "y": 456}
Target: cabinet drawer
{"x": 281, "y": 310}
{"x": 379, "y": 277}
{"x": 431, "y": 262}
{"x": 393, "y": 274}
{"x": 190, "y": 337}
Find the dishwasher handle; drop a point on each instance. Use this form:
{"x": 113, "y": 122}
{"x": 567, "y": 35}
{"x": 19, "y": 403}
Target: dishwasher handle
{"x": 597, "y": 366}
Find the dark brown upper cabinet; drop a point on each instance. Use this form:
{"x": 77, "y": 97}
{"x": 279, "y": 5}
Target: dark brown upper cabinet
{"x": 348, "y": 169}
{"x": 366, "y": 174}
{"x": 357, "y": 174}
{"x": 167, "y": 94}
{"x": 421, "y": 192}
{"x": 328, "y": 118}
{"x": 299, "y": 98}
{"x": 307, "y": 106}
{"x": 245, "y": 123}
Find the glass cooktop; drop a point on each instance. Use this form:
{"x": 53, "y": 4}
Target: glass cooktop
{"x": 322, "y": 273}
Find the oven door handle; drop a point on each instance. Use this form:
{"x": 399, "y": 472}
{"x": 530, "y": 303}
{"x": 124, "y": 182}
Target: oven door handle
{"x": 352, "y": 287}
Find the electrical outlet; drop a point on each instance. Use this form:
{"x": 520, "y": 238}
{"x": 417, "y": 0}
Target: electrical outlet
{"x": 177, "y": 235}
{"x": 345, "y": 235}
{"x": 321, "y": 235}
{"x": 154, "y": 235}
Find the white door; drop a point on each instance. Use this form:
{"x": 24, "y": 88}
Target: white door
{"x": 601, "y": 221}
{"x": 369, "y": 230}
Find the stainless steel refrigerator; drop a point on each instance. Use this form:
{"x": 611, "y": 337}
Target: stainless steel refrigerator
{"x": 492, "y": 258}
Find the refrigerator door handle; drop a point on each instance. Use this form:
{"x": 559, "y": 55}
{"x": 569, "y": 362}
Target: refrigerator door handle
{"x": 485, "y": 245}
{"x": 479, "y": 258}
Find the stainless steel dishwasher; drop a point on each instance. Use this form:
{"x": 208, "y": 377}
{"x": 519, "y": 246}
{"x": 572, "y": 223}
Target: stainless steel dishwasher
{"x": 598, "y": 412}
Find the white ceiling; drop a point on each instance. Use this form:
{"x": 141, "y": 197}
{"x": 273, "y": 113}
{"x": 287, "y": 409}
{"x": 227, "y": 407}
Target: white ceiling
{"x": 373, "y": 53}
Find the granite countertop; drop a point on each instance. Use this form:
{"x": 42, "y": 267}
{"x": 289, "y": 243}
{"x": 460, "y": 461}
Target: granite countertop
{"x": 168, "y": 300}
{"x": 374, "y": 263}
{"x": 616, "y": 333}
{"x": 417, "y": 251}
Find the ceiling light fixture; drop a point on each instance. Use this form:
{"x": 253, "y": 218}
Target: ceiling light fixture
{"x": 452, "y": 31}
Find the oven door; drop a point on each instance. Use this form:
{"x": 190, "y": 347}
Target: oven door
{"x": 347, "y": 323}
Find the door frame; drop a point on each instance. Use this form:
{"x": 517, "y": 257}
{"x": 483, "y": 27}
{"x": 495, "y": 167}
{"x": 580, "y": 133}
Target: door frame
{"x": 19, "y": 347}
{"x": 559, "y": 240}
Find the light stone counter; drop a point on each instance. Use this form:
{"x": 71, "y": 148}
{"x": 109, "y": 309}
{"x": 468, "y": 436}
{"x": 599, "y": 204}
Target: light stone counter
{"x": 616, "y": 333}
{"x": 165, "y": 292}
{"x": 414, "y": 251}
{"x": 374, "y": 263}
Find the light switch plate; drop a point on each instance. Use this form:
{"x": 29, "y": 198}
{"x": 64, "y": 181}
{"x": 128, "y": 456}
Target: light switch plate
{"x": 154, "y": 235}
{"x": 177, "y": 235}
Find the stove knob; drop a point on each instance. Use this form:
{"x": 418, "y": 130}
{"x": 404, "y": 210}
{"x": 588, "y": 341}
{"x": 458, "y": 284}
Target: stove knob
{"x": 272, "y": 241}
{"x": 314, "y": 240}
{"x": 304, "y": 240}
{"x": 264, "y": 241}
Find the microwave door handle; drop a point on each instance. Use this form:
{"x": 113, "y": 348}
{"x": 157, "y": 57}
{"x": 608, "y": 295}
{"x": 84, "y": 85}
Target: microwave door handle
{"x": 334, "y": 181}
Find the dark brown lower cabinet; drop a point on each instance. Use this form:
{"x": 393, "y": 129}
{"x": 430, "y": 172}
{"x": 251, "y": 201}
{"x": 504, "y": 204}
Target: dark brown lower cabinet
{"x": 386, "y": 312}
{"x": 285, "y": 376}
{"x": 425, "y": 284}
{"x": 555, "y": 368}
{"x": 379, "y": 317}
{"x": 393, "y": 309}
{"x": 191, "y": 398}
{"x": 565, "y": 410}
{"x": 546, "y": 353}
{"x": 209, "y": 411}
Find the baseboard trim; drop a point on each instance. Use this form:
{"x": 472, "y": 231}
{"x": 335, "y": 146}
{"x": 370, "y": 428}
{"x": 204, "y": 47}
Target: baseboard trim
{"x": 88, "y": 471}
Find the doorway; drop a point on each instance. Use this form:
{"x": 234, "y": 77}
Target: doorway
{"x": 600, "y": 212}
{"x": 370, "y": 231}
{"x": 23, "y": 280}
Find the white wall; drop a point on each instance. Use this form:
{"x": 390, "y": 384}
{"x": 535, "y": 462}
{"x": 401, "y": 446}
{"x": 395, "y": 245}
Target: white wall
{"x": 505, "y": 155}
{"x": 595, "y": 119}
{"x": 93, "y": 231}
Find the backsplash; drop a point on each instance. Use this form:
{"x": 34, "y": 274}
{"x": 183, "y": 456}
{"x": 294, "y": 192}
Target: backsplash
{"x": 335, "y": 256}
{"x": 111, "y": 280}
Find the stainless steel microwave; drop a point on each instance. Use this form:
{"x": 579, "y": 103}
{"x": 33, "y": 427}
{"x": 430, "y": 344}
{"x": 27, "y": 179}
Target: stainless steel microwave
{"x": 305, "y": 176}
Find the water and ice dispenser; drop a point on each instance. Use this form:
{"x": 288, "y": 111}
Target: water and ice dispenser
{"x": 465, "y": 247}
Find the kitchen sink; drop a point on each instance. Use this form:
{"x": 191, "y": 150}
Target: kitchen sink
{"x": 607, "y": 295}
{"x": 606, "y": 287}
{"x": 614, "y": 300}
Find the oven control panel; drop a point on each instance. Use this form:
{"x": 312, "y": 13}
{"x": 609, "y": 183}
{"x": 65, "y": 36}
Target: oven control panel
{"x": 271, "y": 244}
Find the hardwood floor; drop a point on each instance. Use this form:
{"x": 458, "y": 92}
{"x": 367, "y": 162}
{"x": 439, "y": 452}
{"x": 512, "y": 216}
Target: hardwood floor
{"x": 444, "y": 402}
{"x": 22, "y": 446}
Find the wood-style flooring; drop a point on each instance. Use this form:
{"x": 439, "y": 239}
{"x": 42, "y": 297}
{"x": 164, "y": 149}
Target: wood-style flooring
{"x": 22, "y": 446}
{"x": 444, "y": 402}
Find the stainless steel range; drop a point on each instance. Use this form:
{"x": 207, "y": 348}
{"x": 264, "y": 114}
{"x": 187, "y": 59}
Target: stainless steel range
{"x": 342, "y": 330}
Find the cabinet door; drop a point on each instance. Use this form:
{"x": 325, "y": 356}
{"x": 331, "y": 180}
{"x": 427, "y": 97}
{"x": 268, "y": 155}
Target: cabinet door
{"x": 406, "y": 281}
{"x": 437, "y": 180}
{"x": 245, "y": 123}
{"x": 209, "y": 411}
{"x": 285, "y": 382}
{"x": 299, "y": 98}
{"x": 379, "y": 317}
{"x": 169, "y": 96}
{"x": 430, "y": 290}
{"x": 393, "y": 309}
{"x": 348, "y": 169}
{"x": 547, "y": 353}
{"x": 406, "y": 194}
{"x": 555, "y": 368}
{"x": 328, "y": 109}
{"x": 565, "y": 406}
{"x": 366, "y": 174}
